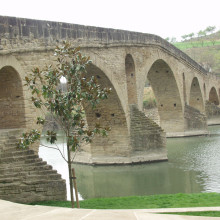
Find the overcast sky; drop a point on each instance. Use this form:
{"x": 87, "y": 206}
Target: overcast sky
{"x": 166, "y": 18}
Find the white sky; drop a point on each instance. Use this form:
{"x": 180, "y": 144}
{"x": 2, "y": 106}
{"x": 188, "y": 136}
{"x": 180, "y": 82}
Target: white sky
{"x": 166, "y": 18}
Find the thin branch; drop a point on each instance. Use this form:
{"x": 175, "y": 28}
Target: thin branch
{"x": 55, "y": 149}
{"x": 48, "y": 146}
{"x": 62, "y": 154}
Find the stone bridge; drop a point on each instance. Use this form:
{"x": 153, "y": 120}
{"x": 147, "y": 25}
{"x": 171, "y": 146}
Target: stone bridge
{"x": 122, "y": 60}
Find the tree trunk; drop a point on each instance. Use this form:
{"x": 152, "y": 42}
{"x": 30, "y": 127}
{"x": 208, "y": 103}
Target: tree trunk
{"x": 70, "y": 174}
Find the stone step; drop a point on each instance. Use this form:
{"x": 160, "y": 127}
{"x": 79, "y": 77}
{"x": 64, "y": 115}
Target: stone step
{"x": 19, "y": 152}
{"x": 31, "y": 161}
{"x": 25, "y": 173}
{"x": 30, "y": 168}
{"x": 22, "y": 158}
{"x": 9, "y": 180}
{"x": 22, "y": 185}
{"x": 43, "y": 177}
{"x": 7, "y": 147}
{"x": 30, "y": 178}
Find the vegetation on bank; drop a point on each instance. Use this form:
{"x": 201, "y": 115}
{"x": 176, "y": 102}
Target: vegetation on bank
{"x": 179, "y": 200}
{"x": 149, "y": 100}
{"x": 203, "y": 47}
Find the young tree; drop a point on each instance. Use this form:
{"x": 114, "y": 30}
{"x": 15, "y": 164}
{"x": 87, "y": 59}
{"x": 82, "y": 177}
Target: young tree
{"x": 173, "y": 40}
{"x": 184, "y": 37}
{"x": 67, "y": 107}
{"x": 201, "y": 34}
{"x": 167, "y": 39}
{"x": 210, "y": 29}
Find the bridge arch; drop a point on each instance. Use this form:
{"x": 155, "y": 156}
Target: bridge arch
{"x": 110, "y": 113}
{"x": 131, "y": 79}
{"x": 165, "y": 88}
{"x": 195, "y": 99}
{"x": 12, "y": 111}
{"x": 213, "y": 96}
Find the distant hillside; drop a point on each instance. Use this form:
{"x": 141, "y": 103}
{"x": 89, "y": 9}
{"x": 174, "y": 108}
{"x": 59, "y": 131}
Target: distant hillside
{"x": 204, "y": 50}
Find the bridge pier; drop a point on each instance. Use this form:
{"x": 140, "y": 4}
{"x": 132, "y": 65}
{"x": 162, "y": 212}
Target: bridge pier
{"x": 195, "y": 123}
{"x": 146, "y": 143}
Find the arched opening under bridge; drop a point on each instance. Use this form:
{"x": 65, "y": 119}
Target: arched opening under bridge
{"x": 213, "y": 96}
{"x": 131, "y": 79}
{"x": 110, "y": 113}
{"x": 196, "y": 100}
{"x": 12, "y": 113}
{"x": 164, "y": 86}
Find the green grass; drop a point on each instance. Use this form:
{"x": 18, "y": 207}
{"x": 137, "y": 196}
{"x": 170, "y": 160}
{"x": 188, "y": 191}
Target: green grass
{"x": 205, "y": 213}
{"x": 145, "y": 202}
{"x": 195, "y": 44}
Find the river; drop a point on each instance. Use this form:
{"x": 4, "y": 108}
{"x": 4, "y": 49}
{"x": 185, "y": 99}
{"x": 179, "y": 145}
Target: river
{"x": 193, "y": 166}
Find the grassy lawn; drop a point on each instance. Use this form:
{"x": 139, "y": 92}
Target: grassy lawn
{"x": 145, "y": 202}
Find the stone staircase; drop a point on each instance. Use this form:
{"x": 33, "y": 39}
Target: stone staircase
{"x": 24, "y": 177}
{"x": 194, "y": 119}
{"x": 153, "y": 114}
{"x": 145, "y": 133}
{"x": 213, "y": 113}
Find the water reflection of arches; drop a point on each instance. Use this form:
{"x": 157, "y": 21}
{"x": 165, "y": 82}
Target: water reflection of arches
{"x": 167, "y": 95}
{"x": 213, "y": 97}
{"x": 12, "y": 113}
{"x": 196, "y": 100}
{"x": 139, "y": 180}
{"x": 109, "y": 112}
{"x": 131, "y": 79}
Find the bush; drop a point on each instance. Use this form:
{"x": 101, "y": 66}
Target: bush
{"x": 148, "y": 104}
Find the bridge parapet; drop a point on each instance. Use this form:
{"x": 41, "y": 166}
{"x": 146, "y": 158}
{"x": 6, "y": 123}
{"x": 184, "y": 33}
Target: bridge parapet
{"x": 22, "y": 35}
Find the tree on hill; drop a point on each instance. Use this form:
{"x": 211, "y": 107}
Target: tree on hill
{"x": 65, "y": 106}
{"x": 184, "y": 37}
{"x": 201, "y": 34}
{"x": 167, "y": 39}
{"x": 188, "y": 37}
{"x": 210, "y": 29}
{"x": 173, "y": 40}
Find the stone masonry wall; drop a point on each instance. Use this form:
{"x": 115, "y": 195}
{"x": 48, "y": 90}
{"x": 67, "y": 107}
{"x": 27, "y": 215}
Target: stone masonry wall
{"x": 146, "y": 135}
{"x": 213, "y": 113}
{"x": 194, "y": 119}
{"x": 24, "y": 177}
{"x": 12, "y": 113}
{"x": 20, "y": 34}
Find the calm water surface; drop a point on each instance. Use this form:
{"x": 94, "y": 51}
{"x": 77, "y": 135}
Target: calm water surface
{"x": 193, "y": 166}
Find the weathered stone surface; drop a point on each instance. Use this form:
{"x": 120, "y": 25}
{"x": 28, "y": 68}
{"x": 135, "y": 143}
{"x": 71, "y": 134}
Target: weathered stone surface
{"x": 195, "y": 120}
{"x": 213, "y": 113}
{"x": 24, "y": 177}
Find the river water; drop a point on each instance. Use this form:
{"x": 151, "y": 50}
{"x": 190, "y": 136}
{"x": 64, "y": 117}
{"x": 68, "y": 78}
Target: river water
{"x": 193, "y": 166}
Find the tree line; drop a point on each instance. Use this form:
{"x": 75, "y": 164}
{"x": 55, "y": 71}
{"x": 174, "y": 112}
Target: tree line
{"x": 200, "y": 36}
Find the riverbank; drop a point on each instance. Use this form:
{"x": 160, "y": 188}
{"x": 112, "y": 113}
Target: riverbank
{"x": 179, "y": 200}
{"x": 10, "y": 211}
